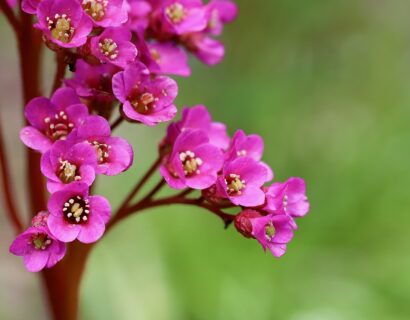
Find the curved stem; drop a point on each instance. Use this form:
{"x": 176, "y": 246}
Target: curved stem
{"x": 7, "y": 188}
{"x": 12, "y": 19}
{"x": 117, "y": 122}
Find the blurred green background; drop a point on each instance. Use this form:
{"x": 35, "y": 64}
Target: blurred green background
{"x": 326, "y": 84}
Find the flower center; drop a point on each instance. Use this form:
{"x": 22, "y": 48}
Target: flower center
{"x": 175, "y": 12}
{"x": 108, "y": 48}
{"x": 68, "y": 172}
{"x": 60, "y": 27}
{"x": 190, "y": 163}
{"x": 234, "y": 184}
{"x": 241, "y": 153}
{"x": 155, "y": 55}
{"x": 40, "y": 241}
{"x": 58, "y": 127}
{"x": 270, "y": 231}
{"x": 95, "y": 8}
{"x": 102, "y": 151}
{"x": 143, "y": 103}
{"x": 76, "y": 210}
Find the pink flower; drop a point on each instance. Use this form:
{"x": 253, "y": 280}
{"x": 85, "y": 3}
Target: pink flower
{"x": 145, "y": 98}
{"x": 251, "y": 146}
{"x": 243, "y": 222}
{"x": 92, "y": 81}
{"x": 106, "y": 13}
{"x": 64, "y": 22}
{"x": 193, "y": 162}
{"x": 206, "y": 49}
{"x": 272, "y": 232}
{"x": 180, "y": 17}
{"x": 220, "y": 12}
{"x": 52, "y": 119}
{"x": 113, "y": 154}
{"x": 198, "y": 117}
{"x": 138, "y": 14}
{"x": 241, "y": 182}
{"x": 66, "y": 163}
{"x": 114, "y": 46}
{"x": 38, "y": 247}
{"x": 76, "y": 215}
{"x": 288, "y": 198}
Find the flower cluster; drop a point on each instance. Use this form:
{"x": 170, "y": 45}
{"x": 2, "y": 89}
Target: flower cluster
{"x": 121, "y": 53}
{"x": 198, "y": 153}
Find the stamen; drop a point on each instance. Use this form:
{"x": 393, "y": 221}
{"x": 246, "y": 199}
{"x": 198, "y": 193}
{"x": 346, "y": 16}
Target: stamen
{"x": 176, "y": 12}
{"x": 190, "y": 163}
{"x": 234, "y": 184}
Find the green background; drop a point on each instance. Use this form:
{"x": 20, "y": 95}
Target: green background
{"x": 325, "y": 83}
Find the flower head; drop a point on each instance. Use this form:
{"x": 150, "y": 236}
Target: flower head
{"x": 112, "y": 154}
{"x": 114, "y": 46}
{"x": 193, "y": 162}
{"x": 241, "y": 181}
{"x": 288, "y": 198}
{"x": 273, "y": 232}
{"x": 198, "y": 117}
{"x": 52, "y": 119}
{"x": 106, "y": 13}
{"x": 74, "y": 214}
{"x": 145, "y": 98}
{"x": 220, "y": 12}
{"x": 38, "y": 247}
{"x": 66, "y": 163}
{"x": 138, "y": 14}
{"x": 64, "y": 22}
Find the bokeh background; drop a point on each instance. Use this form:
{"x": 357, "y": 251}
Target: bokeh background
{"x": 326, "y": 83}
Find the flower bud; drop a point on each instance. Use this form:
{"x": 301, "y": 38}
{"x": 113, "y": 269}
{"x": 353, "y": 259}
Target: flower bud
{"x": 243, "y": 222}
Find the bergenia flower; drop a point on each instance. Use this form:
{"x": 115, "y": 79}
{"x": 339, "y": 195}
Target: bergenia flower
{"x": 30, "y": 6}
{"x": 248, "y": 146}
{"x": 113, "y": 154}
{"x": 52, "y": 119}
{"x": 64, "y": 22}
{"x": 74, "y": 214}
{"x": 106, "y": 13}
{"x": 114, "y": 46}
{"x": 138, "y": 15}
{"x": 241, "y": 182}
{"x": 66, "y": 163}
{"x": 243, "y": 221}
{"x": 198, "y": 117}
{"x": 90, "y": 81}
{"x": 220, "y": 12}
{"x": 193, "y": 162}
{"x": 206, "y": 49}
{"x": 163, "y": 58}
{"x": 145, "y": 98}
{"x": 288, "y": 198}
{"x": 273, "y": 232}
{"x": 181, "y": 17}
{"x": 38, "y": 247}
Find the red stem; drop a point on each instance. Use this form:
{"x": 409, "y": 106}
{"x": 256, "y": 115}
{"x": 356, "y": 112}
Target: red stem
{"x": 60, "y": 71}
{"x": 7, "y": 188}
{"x": 117, "y": 122}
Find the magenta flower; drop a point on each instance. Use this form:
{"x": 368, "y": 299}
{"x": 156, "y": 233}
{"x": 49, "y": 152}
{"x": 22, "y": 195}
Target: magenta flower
{"x": 113, "y": 154}
{"x": 220, "y": 12}
{"x": 206, "y": 49}
{"x": 30, "y": 6}
{"x": 114, "y": 46}
{"x": 251, "y": 146}
{"x": 288, "y": 198}
{"x": 193, "y": 162}
{"x": 64, "y": 22}
{"x": 181, "y": 17}
{"x": 145, "y": 98}
{"x": 164, "y": 58}
{"x": 106, "y": 13}
{"x": 273, "y": 232}
{"x": 52, "y": 119}
{"x": 241, "y": 182}
{"x": 198, "y": 117}
{"x": 92, "y": 81}
{"x": 138, "y": 14}
{"x": 66, "y": 163}
{"x": 38, "y": 247}
{"x": 76, "y": 215}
